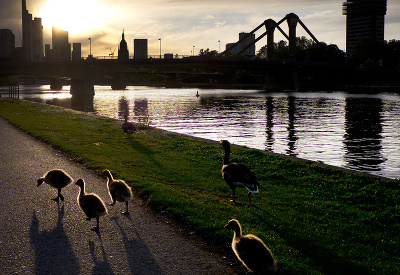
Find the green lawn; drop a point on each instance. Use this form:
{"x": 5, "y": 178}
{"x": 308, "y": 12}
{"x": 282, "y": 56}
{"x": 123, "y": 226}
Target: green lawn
{"x": 315, "y": 220}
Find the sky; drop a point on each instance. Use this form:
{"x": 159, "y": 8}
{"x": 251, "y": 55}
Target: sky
{"x": 184, "y": 26}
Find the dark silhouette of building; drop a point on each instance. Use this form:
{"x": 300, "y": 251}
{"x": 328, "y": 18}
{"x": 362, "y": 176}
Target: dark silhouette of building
{"x": 140, "y": 49}
{"x": 7, "y": 43}
{"x": 251, "y": 51}
{"x": 364, "y": 19}
{"x": 61, "y": 46}
{"x": 123, "y": 52}
{"x": 32, "y": 35}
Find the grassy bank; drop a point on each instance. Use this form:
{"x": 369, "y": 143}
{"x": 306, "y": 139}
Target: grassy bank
{"x": 315, "y": 220}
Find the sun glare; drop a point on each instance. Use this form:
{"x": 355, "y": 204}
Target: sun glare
{"x": 74, "y": 16}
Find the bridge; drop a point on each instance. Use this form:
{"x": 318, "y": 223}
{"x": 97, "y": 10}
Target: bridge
{"x": 279, "y": 75}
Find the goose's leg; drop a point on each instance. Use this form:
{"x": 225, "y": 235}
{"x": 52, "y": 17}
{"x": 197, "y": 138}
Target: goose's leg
{"x": 113, "y": 200}
{"x": 97, "y": 225}
{"x": 127, "y": 210}
{"x": 234, "y": 195}
{"x": 249, "y": 198}
{"x": 61, "y": 196}
{"x": 58, "y": 196}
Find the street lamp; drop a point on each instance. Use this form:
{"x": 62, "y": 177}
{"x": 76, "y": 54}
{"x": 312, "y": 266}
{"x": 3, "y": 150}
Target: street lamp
{"x": 219, "y": 46}
{"x": 193, "y": 50}
{"x": 90, "y": 47}
{"x": 160, "y": 46}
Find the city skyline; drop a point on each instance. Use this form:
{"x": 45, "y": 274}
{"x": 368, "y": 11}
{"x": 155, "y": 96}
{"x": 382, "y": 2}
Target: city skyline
{"x": 180, "y": 28}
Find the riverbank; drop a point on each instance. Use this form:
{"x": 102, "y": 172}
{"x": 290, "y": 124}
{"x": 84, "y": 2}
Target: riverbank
{"x": 316, "y": 220}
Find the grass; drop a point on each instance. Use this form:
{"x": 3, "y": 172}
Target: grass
{"x": 316, "y": 220}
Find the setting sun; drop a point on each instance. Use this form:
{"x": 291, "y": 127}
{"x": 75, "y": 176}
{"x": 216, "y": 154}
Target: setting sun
{"x": 74, "y": 16}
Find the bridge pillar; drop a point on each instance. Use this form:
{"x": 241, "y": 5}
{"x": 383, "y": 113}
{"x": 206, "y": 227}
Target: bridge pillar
{"x": 118, "y": 81}
{"x": 282, "y": 80}
{"x": 82, "y": 91}
{"x": 270, "y": 26}
{"x": 173, "y": 81}
{"x": 56, "y": 84}
{"x": 292, "y": 20}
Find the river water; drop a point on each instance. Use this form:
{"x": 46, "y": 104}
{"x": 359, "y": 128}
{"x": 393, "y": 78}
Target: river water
{"x": 355, "y": 131}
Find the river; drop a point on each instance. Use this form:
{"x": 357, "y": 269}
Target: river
{"x": 354, "y": 131}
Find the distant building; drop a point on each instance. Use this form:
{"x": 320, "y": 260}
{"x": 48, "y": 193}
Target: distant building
{"x": 7, "y": 43}
{"x": 76, "y": 51}
{"x": 364, "y": 19}
{"x": 140, "y": 49}
{"x": 123, "y": 52}
{"x": 251, "y": 51}
{"x": 60, "y": 44}
{"x": 32, "y": 35}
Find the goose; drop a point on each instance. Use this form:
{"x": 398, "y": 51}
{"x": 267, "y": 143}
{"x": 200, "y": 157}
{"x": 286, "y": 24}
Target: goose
{"x": 237, "y": 174}
{"x": 91, "y": 204}
{"x": 118, "y": 190}
{"x": 56, "y": 178}
{"x": 128, "y": 127}
{"x": 251, "y": 250}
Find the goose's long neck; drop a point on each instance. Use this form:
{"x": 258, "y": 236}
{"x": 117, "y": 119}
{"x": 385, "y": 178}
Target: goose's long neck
{"x": 227, "y": 154}
{"x": 109, "y": 179}
{"x": 82, "y": 192}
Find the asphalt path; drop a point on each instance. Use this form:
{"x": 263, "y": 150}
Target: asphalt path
{"x": 40, "y": 236}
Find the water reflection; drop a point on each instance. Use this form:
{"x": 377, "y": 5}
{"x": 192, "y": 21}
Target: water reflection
{"x": 363, "y": 136}
{"x": 292, "y": 138}
{"x": 354, "y": 131}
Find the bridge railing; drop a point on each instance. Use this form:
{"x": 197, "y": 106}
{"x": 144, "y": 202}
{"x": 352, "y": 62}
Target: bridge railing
{"x": 111, "y": 57}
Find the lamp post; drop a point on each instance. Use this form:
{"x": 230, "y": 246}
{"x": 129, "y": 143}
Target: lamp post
{"x": 219, "y": 46}
{"x": 193, "y": 50}
{"x": 90, "y": 47}
{"x": 160, "y": 46}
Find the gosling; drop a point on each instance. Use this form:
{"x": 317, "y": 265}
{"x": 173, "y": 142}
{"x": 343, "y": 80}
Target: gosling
{"x": 56, "y": 178}
{"x": 251, "y": 250}
{"x": 91, "y": 204}
{"x": 118, "y": 190}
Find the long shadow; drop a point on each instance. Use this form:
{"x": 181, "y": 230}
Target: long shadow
{"x": 140, "y": 258}
{"x": 327, "y": 261}
{"x": 101, "y": 266}
{"x": 53, "y": 251}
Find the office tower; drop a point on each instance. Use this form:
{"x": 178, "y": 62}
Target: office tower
{"x": 32, "y": 35}
{"x": 37, "y": 38}
{"x": 123, "y": 53}
{"x": 76, "y": 51}
{"x": 140, "y": 49}
{"x": 60, "y": 44}
{"x": 251, "y": 51}
{"x": 364, "y": 19}
{"x": 7, "y": 43}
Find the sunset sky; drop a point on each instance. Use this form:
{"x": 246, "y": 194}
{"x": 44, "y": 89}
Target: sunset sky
{"x": 182, "y": 24}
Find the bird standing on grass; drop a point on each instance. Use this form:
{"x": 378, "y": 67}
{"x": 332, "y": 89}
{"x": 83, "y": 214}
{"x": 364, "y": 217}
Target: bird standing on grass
{"x": 91, "y": 204}
{"x": 56, "y": 178}
{"x": 251, "y": 250}
{"x": 129, "y": 128}
{"x": 237, "y": 174}
{"x": 118, "y": 190}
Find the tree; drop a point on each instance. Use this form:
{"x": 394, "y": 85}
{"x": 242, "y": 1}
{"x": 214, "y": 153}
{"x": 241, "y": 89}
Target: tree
{"x": 208, "y": 53}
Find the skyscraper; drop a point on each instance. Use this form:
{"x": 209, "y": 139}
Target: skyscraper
{"x": 32, "y": 35}
{"x": 60, "y": 44}
{"x": 123, "y": 52}
{"x": 364, "y": 19}
{"x": 7, "y": 43}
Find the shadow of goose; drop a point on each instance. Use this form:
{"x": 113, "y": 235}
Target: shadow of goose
{"x": 100, "y": 266}
{"x": 53, "y": 251}
{"x": 140, "y": 258}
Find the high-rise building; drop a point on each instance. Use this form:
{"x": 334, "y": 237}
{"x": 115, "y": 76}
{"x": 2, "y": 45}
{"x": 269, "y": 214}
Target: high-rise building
{"x": 140, "y": 49}
{"x": 32, "y": 35}
{"x": 7, "y": 43}
{"x": 364, "y": 19}
{"x": 60, "y": 44}
{"x": 251, "y": 51}
{"x": 123, "y": 52}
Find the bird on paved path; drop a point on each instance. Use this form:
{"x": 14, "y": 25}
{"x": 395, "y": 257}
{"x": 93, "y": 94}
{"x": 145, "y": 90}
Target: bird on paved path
{"x": 237, "y": 174}
{"x": 118, "y": 190}
{"x": 91, "y": 204}
{"x": 251, "y": 250}
{"x": 56, "y": 178}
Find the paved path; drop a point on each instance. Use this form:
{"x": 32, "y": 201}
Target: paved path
{"x": 40, "y": 236}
